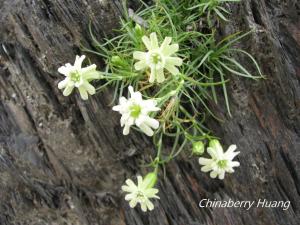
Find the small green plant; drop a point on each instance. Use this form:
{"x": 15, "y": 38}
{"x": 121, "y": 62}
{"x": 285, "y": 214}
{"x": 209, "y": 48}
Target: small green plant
{"x": 211, "y": 7}
{"x": 216, "y": 59}
{"x": 171, "y": 69}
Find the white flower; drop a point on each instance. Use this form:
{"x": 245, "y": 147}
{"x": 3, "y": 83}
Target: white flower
{"x": 220, "y": 162}
{"x": 135, "y": 110}
{"x": 78, "y": 77}
{"x": 141, "y": 193}
{"x": 158, "y": 58}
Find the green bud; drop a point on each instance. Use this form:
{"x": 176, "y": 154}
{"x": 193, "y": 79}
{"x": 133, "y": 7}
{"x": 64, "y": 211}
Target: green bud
{"x": 150, "y": 179}
{"x": 198, "y": 148}
{"x": 138, "y": 27}
{"x": 138, "y": 30}
{"x": 116, "y": 59}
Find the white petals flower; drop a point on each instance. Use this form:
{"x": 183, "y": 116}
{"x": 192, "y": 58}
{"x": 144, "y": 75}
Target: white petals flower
{"x": 79, "y": 77}
{"x": 221, "y": 161}
{"x": 158, "y": 58}
{"x": 142, "y": 192}
{"x": 136, "y": 111}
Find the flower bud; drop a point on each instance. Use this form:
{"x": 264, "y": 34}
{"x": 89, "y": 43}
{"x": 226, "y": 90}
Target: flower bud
{"x": 150, "y": 179}
{"x": 138, "y": 30}
{"x": 118, "y": 61}
{"x": 198, "y": 148}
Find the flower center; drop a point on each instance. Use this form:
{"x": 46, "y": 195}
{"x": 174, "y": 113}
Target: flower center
{"x": 75, "y": 76}
{"x": 140, "y": 196}
{"x": 155, "y": 58}
{"x": 222, "y": 163}
{"x": 135, "y": 111}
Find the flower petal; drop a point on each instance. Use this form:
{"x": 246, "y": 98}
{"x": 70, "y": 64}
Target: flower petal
{"x": 234, "y": 164}
{"x": 89, "y": 88}
{"x": 218, "y": 149}
{"x": 204, "y": 161}
{"x": 143, "y": 207}
{"x": 130, "y": 196}
{"x": 149, "y": 106}
{"x": 140, "y": 181}
{"x": 140, "y": 65}
{"x": 68, "y": 90}
{"x": 172, "y": 69}
{"x": 230, "y": 153}
{"x": 151, "y": 192}
{"x": 126, "y": 188}
{"x": 66, "y": 69}
{"x": 175, "y": 61}
{"x": 122, "y": 100}
{"x": 140, "y": 120}
{"x": 206, "y": 168}
{"x": 88, "y": 69}
{"x": 165, "y": 43}
{"x": 130, "y": 183}
{"x": 92, "y": 75}
{"x": 222, "y": 175}
{"x": 152, "y": 75}
{"x": 212, "y": 153}
{"x": 147, "y": 42}
{"x": 83, "y": 92}
{"x": 170, "y": 50}
{"x": 139, "y": 55}
{"x": 136, "y": 97}
{"x": 149, "y": 204}
{"x": 146, "y": 129}
{"x": 154, "y": 41}
{"x": 231, "y": 149}
{"x": 133, "y": 203}
{"x": 152, "y": 122}
{"x": 126, "y": 129}
{"x": 213, "y": 174}
{"x": 62, "y": 84}
{"x": 160, "y": 75}
{"x": 78, "y": 62}
{"x": 117, "y": 108}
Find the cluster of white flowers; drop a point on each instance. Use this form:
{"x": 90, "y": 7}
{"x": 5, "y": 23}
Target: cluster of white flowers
{"x": 137, "y": 111}
{"x": 157, "y": 59}
{"x": 219, "y": 163}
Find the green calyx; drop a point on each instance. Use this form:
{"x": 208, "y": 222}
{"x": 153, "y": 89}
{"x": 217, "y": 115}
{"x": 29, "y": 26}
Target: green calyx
{"x": 150, "y": 179}
{"x": 138, "y": 30}
{"x": 118, "y": 61}
{"x": 214, "y": 143}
